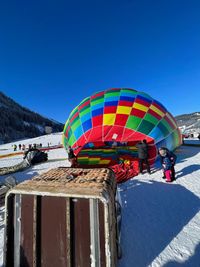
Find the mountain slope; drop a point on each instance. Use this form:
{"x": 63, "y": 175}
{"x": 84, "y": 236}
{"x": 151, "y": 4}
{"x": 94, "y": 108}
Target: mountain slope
{"x": 189, "y": 123}
{"x": 18, "y": 122}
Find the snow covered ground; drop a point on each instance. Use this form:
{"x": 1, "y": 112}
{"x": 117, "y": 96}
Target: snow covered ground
{"x": 160, "y": 221}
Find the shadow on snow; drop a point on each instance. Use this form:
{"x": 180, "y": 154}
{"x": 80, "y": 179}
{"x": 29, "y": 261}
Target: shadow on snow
{"x": 153, "y": 214}
{"x": 187, "y": 170}
{"x": 191, "y": 262}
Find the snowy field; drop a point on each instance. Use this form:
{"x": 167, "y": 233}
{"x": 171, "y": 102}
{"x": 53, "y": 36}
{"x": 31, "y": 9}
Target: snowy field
{"x": 160, "y": 221}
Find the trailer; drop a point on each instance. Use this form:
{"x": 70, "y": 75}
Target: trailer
{"x": 66, "y": 217}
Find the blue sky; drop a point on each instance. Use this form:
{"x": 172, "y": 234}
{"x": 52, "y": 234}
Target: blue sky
{"x": 55, "y": 53}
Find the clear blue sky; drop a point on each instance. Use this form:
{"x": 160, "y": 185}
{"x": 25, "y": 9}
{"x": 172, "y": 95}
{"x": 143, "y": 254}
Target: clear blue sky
{"x": 55, "y": 53}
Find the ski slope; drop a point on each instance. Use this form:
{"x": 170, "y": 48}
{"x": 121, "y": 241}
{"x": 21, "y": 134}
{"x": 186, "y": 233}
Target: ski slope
{"x": 160, "y": 221}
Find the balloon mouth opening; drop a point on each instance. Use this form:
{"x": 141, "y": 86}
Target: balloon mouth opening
{"x": 107, "y": 153}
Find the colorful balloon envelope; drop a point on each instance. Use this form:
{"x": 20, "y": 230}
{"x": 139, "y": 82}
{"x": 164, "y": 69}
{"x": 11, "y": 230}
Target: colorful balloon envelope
{"x": 107, "y": 125}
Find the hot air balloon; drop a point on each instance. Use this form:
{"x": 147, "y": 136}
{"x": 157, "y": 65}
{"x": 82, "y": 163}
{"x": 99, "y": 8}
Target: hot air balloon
{"x": 107, "y": 125}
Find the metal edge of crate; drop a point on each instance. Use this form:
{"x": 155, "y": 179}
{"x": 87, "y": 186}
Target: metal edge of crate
{"x": 104, "y": 198}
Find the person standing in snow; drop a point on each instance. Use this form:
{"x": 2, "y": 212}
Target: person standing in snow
{"x": 143, "y": 155}
{"x": 71, "y": 156}
{"x": 168, "y": 160}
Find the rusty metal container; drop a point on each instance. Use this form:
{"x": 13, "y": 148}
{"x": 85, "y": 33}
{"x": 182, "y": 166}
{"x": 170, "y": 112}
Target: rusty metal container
{"x": 63, "y": 218}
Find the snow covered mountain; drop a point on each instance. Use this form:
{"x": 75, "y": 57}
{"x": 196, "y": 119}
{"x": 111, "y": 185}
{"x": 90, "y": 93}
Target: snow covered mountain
{"x": 189, "y": 123}
{"x": 18, "y": 122}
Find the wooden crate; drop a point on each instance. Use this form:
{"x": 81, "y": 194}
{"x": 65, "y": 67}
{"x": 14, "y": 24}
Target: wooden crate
{"x": 63, "y": 218}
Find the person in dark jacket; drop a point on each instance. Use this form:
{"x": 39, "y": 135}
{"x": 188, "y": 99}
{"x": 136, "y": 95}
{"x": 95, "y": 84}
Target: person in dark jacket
{"x": 71, "y": 156}
{"x": 142, "y": 147}
{"x": 168, "y": 160}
